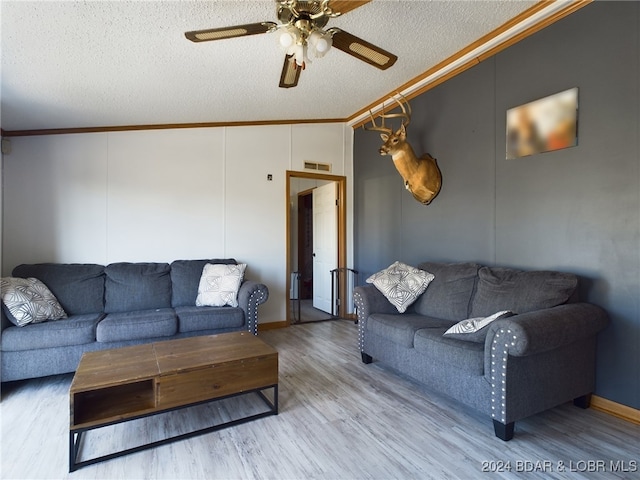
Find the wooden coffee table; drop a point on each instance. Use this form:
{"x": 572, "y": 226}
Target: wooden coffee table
{"x": 114, "y": 386}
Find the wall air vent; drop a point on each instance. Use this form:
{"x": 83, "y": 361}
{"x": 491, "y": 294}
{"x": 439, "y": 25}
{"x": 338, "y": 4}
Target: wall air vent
{"x": 320, "y": 167}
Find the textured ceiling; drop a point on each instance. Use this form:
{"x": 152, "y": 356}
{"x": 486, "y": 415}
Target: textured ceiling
{"x": 75, "y": 64}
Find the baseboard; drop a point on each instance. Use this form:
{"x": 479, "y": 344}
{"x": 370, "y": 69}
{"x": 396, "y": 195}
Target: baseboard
{"x": 271, "y": 325}
{"x": 616, "y": 409}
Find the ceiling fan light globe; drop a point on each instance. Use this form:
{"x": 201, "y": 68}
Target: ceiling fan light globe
{"x": 286, "y": 39}
{"x": 320, "y": 43}
{"x": 323, "y": 45}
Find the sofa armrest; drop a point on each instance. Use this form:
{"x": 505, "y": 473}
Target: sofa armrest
{"x": 544, "y": 330}
{"x": 540, "y": 359}
{"x": 250, "y": 295}
{"x": 369, "y": 300}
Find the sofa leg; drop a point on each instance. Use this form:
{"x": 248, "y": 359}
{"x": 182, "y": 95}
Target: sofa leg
{"x": 366, "y": 358}
{"x": 583, "y": 402}
{"x": 503, "y": 431}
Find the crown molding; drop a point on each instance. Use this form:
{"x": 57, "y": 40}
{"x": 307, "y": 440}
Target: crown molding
{"x": 532, "y": 20}
{"x": 163, "y": 126}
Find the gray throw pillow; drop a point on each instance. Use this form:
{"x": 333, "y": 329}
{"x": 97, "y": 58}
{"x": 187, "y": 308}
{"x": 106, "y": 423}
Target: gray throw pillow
{"x": 475, "y": 329}
{"x": 28, "y": 300}
{"x": 402, "y": 284}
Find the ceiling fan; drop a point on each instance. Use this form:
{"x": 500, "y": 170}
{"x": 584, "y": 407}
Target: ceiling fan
{"x": 301, "y": 32}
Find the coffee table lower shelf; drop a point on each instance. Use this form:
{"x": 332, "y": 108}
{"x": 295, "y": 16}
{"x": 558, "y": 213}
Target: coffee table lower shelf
{"x": 76, "y": 434}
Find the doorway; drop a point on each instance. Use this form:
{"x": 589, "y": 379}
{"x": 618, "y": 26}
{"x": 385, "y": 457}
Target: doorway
{"x": 306, "y": 275}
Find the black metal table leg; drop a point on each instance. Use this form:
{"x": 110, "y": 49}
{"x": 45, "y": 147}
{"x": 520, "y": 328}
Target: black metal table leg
{"x": 75, "y": 435}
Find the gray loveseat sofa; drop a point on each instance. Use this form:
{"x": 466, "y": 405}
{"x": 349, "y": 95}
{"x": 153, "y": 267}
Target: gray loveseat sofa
{"x": 541, "y": 357}
{"x": 118, "y": 305}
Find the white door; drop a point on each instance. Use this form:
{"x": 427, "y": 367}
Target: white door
{"x": 325, "y": 243}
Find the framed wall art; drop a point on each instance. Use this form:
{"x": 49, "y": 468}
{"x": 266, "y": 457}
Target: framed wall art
{"x": 544, "y": 125}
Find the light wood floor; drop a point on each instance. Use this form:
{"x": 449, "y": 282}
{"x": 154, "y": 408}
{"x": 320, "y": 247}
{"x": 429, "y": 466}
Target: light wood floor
{"x": 339, "y": 419}
{"x": 306, "y": 312}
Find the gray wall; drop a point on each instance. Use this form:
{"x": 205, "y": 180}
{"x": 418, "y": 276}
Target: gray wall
{"x": 575, "y": 210}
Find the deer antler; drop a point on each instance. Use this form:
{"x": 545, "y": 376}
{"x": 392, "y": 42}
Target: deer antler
{"x": 375, "y": 127}
{"x": 405, "y": 115}
{"x": 406, "y": 112}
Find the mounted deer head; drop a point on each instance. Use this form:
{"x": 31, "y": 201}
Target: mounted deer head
{"x": 422, "y": 176}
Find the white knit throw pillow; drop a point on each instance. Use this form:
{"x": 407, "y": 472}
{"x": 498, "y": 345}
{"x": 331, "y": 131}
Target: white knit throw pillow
{"x": 219, "y": 285}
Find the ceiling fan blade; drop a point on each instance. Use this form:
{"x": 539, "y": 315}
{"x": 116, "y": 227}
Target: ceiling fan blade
{"x": 361, "y": 49}
{"x": 290, "y": 73}
{"x": 345, "y": 6}
{"x": 230, "y": 32}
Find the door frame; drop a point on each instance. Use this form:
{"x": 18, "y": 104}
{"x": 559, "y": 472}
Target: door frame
{"x": 342, "y": 231}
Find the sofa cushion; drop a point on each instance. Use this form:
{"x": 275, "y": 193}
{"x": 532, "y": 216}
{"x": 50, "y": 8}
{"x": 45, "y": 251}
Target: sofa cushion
{"x": 28, "y": 300}
{"x": 465, "y": 356}
{"x": 402, "y": 284}
{"x": 475, "y": 329}
{"x": 185, "y": 278}
{"x": 137, "y": 286}
{"x": 219, "y": 285}
{"x": 74, "y": 330}
{"x": 78, "y": 287}
{"x": 400, "y": 329}
{"x": 449, "y": 294}
{"x": 192, "y": 319}
{"x": 520, "y": 291}
{"x": 137, "y": 325}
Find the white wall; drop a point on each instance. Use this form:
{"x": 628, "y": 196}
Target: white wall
{"x": 55, "y": 200}
{"x": 161, "y": 195}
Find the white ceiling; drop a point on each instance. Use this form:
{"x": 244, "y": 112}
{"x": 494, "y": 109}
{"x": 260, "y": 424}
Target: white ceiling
{"x": 74, "y": 64}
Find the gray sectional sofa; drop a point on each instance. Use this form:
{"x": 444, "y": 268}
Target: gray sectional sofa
{"x": 517, "y": 366}
{"x": 118, "y": 305}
